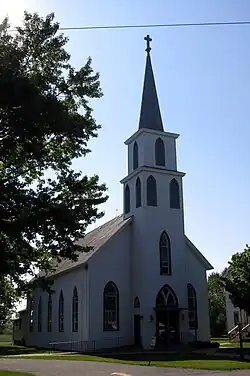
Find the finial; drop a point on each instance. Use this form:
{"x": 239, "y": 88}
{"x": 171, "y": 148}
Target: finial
{"x": 148, "y": 40}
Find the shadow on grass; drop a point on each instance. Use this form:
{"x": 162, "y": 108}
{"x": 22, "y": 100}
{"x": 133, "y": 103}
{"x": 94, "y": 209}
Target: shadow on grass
{"x": 141, "y": 356}
{"x": 9, "y": 349}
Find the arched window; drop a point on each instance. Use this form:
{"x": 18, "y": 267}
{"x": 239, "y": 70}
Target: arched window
{"x": 159, "y": 152}
{"x": 135, "y": 156}
{"x": 127, "y": 200}
{"x": 165, "y": 254}
{"x": 75, "y": 310}
{"x": 174, "y": 194}
{"x": 166, "y": 298}
{"x": 151, "y": 191}
{"x": 49, "y": 314}
{"x": 192, "y": 307}
{"x": 110, "y": 307}
{"x": 136, "y": 302}
{"x": 61, "y": 313}
{"x": 31, "y": 314}
{"x": 39, "y": 315}
{"x": 138, "y": 192}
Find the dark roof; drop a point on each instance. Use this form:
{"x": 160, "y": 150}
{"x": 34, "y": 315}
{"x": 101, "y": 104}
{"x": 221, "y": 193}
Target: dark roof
{"x": 94, "y": 239}
{"x": 150, "y": 116}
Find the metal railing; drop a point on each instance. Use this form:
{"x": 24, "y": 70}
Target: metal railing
{"x": 91, "y": 346}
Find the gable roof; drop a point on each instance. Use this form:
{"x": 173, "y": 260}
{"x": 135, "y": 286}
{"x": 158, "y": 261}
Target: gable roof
{"x": 95, "y": 239}
{"x": 198, "y": 254}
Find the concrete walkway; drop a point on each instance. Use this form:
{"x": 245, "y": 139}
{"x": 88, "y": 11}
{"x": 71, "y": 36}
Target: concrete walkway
{"x": 78, "y": 368}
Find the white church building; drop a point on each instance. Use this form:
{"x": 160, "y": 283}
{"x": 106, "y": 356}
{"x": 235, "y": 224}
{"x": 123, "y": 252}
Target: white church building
{"x": 143, "y": 277}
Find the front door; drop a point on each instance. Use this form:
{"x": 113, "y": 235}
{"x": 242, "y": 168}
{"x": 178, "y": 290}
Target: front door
{"x": 137, "y": 330}
{"x": 167, "y": 327}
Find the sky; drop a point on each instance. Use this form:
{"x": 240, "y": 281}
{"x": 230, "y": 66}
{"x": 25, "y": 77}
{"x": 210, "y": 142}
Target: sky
{"x": 203, "y": 82}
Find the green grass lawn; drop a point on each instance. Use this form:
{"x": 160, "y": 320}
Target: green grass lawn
{"x": 5, "y": 338}
{"x": 10, "y": 373}
{"x": 202, "y": 363}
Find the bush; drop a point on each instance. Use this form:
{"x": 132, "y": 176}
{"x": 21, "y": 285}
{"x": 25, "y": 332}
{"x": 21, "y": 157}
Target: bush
{"x": 205, "y": 344}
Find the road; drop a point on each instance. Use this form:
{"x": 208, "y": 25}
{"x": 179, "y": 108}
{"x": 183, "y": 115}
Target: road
{"x": 80, "y": 368}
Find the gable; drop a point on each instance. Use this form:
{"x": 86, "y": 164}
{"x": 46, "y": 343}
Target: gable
{"x": 95, "y": 239}
{"x": 198, "y": 255}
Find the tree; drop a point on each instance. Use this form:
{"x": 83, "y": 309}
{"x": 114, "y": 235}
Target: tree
{"x": 217, "y": 305}
{"x": 45, "y": 123}
{"x": 7, "y": 300}
{"x": 237, "y": 281}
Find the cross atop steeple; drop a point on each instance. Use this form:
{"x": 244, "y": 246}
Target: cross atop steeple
{"x": 148, "y": 40}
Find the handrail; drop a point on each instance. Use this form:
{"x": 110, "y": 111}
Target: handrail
{"x": 232, "y": 330}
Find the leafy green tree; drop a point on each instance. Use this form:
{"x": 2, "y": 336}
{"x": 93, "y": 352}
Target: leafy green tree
{"x": 7, "y": 301}
{"x": 217, "y": 305}
{"x": 46, "y": 122}
{"x": 237, "y": 281}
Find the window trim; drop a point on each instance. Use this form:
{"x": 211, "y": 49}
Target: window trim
{"x": 126, "y": 199}
{"x": 160, "y": 158}
{"x": 107, "y": 313}
{"x": 39, "y": 315}
{"x": 167, "y": 262}
{"x": 61, "y": 312}
{"x": 174, "y": 194}
{"x": 135, "y": 156}
{"x": 151, "y": 201}
{"x": 75, "y": 310}
{"x": 49, "y": 314}
{"x": 137, "y": 303}
{"x": 192, "y": 323}
{"x": 138, "y": 201}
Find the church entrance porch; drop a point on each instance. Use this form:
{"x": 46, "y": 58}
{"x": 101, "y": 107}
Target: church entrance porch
{"x": 167, "y": 318}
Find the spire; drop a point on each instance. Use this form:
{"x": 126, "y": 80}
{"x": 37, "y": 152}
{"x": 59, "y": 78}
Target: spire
{"x": 150, "y": 116}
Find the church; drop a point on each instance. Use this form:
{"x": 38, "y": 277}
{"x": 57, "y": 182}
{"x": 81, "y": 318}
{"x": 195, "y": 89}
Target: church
{"x": 143, "y": 278}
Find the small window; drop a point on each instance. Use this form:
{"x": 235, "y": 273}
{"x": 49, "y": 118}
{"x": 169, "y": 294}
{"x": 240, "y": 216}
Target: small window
{"x": 110, "y": 308}
{"x": 174, "y": 194}
{"x": 61, "y": 313}
{"x": 135, "y": 156}
{"x": 49, "y": 314}
{"x": 39, "y": 318}
{"x": 151, "y": 191}
{"x": 192, "y": 307}
{"x": 137, "y": 302}
{"x": 165, "y": 255}
{"x": 127, "y": 200}
{"x": 138, "y": 192}
{"x": 75, "y": 310}
{"x": 159, "y": 152}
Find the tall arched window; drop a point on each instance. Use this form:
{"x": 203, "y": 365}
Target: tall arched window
{"x": 39, "y": 315}
{"x": 159, "y": 152}
{"x": 127, "y": 199}
{"x": 192, "y": 307}
{"x": 61, "y": 313}
{"x": 75, "y": 310}
{"x": 110, "y": 307}
{"x": 31, "y": 314}
{"x": 165, "y": 254}
{"x": 138, "y": 192}
{"x": 174, "y": 194}
{"x": 151, "y": 191}
{"x": 135, "y": 156}
{"x": 49, "y": 314}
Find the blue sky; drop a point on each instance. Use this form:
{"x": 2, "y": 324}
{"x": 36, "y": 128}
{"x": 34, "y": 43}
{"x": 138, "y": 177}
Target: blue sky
{"x": 203, "y": 81}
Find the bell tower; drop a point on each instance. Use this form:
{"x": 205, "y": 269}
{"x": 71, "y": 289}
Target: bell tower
{"x": 153, "y": 179}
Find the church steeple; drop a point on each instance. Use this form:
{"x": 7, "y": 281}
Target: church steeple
{"x": 150, "y": 116}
